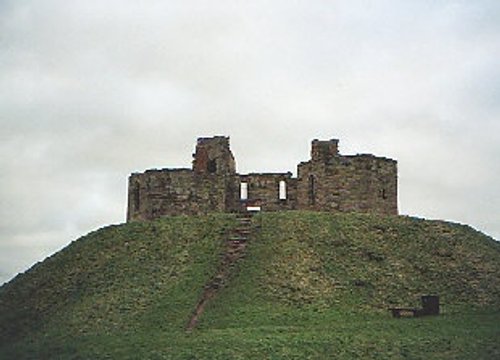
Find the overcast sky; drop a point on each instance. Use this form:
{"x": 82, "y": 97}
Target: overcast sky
{"x": 93, "y": 90}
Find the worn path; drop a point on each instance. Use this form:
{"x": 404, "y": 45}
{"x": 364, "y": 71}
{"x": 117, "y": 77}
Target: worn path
{"x": 236, "y": 241}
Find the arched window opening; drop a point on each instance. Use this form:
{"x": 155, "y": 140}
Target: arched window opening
{"x": 282, "y": 190}
{"x": 243, "y": 191}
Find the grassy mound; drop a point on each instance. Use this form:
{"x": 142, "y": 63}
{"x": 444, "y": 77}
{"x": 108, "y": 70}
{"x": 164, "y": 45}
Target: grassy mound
{"x": 312, "y": 285}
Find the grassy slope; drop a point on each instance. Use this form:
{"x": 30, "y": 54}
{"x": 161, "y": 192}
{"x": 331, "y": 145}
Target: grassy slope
{"x": 312, "y": 285}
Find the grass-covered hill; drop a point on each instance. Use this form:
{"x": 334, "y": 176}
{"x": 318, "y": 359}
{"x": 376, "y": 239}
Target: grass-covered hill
{"x": 311, "y": 285}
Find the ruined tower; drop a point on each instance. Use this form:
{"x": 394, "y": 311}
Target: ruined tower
{"x": 334, "y": 182}
{"x": 213, "y": 156}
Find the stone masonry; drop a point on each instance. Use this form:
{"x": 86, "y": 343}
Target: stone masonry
{"x": 329, "y": 181}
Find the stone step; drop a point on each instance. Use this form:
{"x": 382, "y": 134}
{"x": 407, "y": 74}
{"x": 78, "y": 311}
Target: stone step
{"x": 244, "y": 220}
{"x": 235, "y": 236}
{"x": 236, "y": 242}
{"x": 243, "y": 226}
{"x": 239, "y": 238}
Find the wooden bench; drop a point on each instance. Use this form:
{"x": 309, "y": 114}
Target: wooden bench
{"x": 398, "y": 312}
{"x": 430, "y": 306}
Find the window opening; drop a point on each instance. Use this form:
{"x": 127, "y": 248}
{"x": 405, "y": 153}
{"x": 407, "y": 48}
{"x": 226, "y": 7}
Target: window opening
{"x": 383, "y": 194}
{"x": 243, "y": 191}
{"x": 282, "y": 190}
{"x": 312, "y": 189}
{"x": 136, "y": 197}
{"x": 212, "y": 166}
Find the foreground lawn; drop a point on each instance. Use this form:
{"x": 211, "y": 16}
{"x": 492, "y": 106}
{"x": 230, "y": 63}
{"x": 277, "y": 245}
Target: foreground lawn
{"x": 313, "y": 336}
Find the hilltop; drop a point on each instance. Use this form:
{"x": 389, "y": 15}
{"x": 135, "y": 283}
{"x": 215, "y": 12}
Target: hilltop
{"x": 310, "y": 285}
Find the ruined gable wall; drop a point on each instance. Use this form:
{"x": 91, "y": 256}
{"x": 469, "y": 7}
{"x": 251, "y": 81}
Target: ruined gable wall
{"x": 263, "y": 190}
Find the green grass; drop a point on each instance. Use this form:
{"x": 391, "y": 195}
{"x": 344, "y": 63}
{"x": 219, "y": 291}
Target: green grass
{"x": 312, "y": 285}
{"x": 326, "y": 335}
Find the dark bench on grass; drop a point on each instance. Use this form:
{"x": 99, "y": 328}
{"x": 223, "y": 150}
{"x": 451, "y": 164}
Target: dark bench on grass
{"x": 430, "y": 306}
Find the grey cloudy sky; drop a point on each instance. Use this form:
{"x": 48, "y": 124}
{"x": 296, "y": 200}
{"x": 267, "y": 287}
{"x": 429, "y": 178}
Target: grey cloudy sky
{"x": 93, "y": 90}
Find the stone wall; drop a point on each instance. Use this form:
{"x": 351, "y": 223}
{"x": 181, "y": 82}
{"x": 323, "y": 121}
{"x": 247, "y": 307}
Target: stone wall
{"x": 327, "y": 182}
{"x": 158, "y": 193}
{"x": 263, "y": 190}
{"x": 362, "y": 183}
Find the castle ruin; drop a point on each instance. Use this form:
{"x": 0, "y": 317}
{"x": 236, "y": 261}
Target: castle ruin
{"x": 329, "y": 182}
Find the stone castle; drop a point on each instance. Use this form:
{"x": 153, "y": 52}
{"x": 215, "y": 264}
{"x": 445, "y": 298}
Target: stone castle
{"x": 329, "y": 181}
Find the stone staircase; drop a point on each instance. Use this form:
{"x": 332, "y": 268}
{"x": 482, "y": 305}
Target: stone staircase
{"x": 236, "y": 242}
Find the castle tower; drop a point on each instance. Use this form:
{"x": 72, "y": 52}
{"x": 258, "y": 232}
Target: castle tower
{"x": 213, "y": 156}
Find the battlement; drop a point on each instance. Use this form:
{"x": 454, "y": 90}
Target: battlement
{"x": 323, "y": 151}
{"x": 328, "y": 181}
